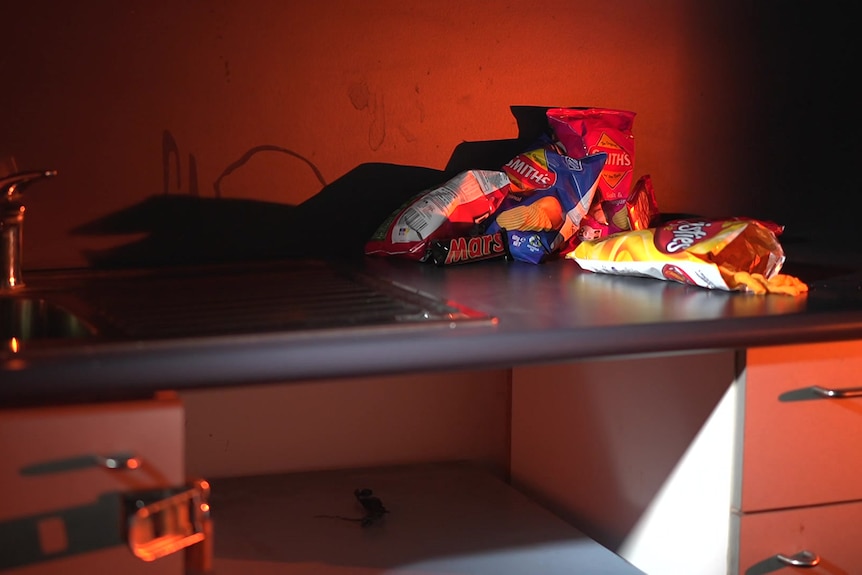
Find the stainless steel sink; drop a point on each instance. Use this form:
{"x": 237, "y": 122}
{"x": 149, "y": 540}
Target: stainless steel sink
{"x": 301, "y": 297}
{"x": 24, "y": 318}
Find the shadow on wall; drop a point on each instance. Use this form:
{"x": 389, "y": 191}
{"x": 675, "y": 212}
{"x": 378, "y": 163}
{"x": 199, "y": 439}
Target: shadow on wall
{"x": 334, "y": 223}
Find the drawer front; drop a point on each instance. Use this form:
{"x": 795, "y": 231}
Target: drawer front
{"x": 58, "y": 486}
{"x": 831, "y": 532}
{"x": 800, "y": 448}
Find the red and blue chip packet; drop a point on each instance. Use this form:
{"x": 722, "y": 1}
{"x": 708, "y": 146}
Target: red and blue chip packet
{"x": 549, "y": 196}
{"x": 584, "y": 131}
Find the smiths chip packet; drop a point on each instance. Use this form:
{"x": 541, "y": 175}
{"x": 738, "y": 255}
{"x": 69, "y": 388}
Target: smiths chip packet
{"x": 584, "y": 131}
{"x": 550, "y": 193}
{"x": 734, "y": 254}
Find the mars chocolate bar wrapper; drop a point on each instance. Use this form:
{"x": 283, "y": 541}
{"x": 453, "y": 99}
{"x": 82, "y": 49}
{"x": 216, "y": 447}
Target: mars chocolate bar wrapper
{"x": 467, "y": 249}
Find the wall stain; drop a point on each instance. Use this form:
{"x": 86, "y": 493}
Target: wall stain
{"x": 359, "y": 95}
{"x": 362, "y": 99}
{"x": 406, "y": 133}
{"x": 377, "y": 130}
{"x": 219, "y": 30}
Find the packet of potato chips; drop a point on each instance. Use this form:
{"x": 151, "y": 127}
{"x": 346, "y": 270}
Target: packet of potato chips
{"x": 549, "y": 195}
{"x": 584, "y": 131}
{"x": 735, "y": 254}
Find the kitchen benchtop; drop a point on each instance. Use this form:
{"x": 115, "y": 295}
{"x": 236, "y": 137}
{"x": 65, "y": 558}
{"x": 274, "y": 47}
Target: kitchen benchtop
{"x": 528, "y": 314}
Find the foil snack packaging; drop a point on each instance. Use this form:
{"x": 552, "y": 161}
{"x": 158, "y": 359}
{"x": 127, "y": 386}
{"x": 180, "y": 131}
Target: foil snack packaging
{"x": 734, "y": 254}
{"x": 549, "y": 195}
{"x": 642, "y": 206}
{"x": 584, "y": 131}
{"x": 450, "y": 210}
{"x": 467, "y": 249}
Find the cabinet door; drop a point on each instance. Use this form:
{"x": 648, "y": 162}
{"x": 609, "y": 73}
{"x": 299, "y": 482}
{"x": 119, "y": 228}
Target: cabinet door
{"x": 831, "y": 532}
{"x": 62, "y": 472}
{"x": 801, "y": 448}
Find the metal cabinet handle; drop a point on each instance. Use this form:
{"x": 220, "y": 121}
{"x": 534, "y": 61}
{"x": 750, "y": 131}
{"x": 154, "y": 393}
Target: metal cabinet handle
{"x": 161, "y": 522}
{"x": 801, "y": 559}
{"x": 119, "y": 461}
{"x": 837, "y": 393}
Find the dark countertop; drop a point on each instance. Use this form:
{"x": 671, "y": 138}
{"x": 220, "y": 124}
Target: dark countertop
{"x": 544, "y": 313}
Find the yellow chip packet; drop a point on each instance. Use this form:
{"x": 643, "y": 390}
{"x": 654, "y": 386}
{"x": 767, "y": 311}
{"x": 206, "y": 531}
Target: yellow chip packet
{"x": 734, "y": 254}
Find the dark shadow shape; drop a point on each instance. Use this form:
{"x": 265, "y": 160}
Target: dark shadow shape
{"x": 802, "y": 394}
{"x": 186, "y": 230}
{"x": 170, "y": 150}
{"x": 812, "y": 273}
{"x": 770, "y": 565}
{"x": 775, "y": 565}
{"x": 88, "y": 528}
{"x": 264, "y": 148}
{"x": 333, "y": 224}
{"x": 493, "y": 154}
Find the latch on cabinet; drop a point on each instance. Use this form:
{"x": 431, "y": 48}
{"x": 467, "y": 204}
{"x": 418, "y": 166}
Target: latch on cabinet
{"x": 153, "y": 523}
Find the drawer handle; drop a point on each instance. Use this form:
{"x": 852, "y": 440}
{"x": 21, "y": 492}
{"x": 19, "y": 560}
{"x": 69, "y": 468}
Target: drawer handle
{"x": 801, "y": 559}
{"x": 837, "y": 393}
{"x": 161, "y": 522}
{"x": 120, "y": 461}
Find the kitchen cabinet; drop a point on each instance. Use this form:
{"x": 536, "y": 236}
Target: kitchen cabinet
{"x": 640, "y": 412}
{"x": 443, "y": 517}
{"x": 798, "y": 489}
{"x": 827, "y": 535}
{"x": 769, "y": 469}
{"x": 434, "y": 447}
{"x": 64, "y": 474}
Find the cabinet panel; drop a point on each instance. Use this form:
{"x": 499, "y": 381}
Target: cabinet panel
{"x": 801, "y": 448}
{"x": 360, "y": 422}
{"x": 634, "y": 452}
{"x": 62, "y": 474}
{"x": 832, "y": 532}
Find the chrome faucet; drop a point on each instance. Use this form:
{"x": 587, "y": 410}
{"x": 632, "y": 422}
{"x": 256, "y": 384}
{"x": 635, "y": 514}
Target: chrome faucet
{"x": 11, "y": 222}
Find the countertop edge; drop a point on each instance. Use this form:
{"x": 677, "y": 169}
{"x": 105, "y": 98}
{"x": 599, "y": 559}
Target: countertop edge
{"x": 137, "y": 368}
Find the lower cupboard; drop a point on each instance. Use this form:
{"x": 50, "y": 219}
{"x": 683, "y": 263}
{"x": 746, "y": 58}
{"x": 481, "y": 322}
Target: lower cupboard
{"x": 823, "y": 539}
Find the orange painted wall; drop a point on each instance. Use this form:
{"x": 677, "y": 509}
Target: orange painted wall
{"x": 98, "y": 89}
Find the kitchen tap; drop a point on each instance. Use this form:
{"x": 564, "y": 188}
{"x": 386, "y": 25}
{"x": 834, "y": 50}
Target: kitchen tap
{"x": 11, "y": 222}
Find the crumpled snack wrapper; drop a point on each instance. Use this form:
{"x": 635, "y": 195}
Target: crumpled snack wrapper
{"x": 446, "y": 211}
{"x": 735, "y": 254}
{"x": 549, "y": 195}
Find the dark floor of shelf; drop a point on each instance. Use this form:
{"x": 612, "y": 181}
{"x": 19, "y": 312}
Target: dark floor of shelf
{"x": 442, "y": 519}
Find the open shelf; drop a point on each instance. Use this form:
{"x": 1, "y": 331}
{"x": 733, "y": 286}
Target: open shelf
{"x": 442, "y": 519}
